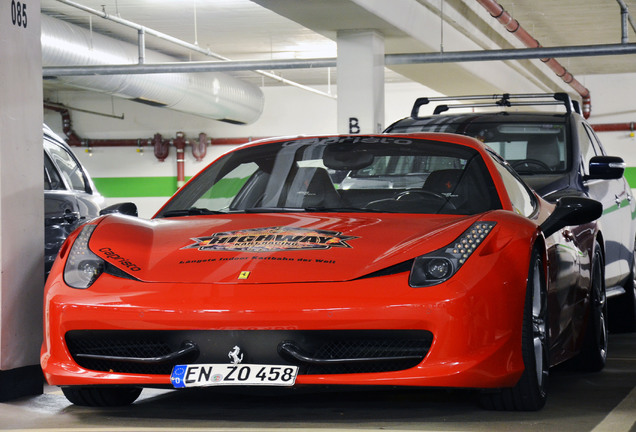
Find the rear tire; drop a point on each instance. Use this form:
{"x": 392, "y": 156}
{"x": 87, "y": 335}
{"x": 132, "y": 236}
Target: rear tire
{"x": 529, "y": 394}
{"x": 593, "y": 353}
{"x": 101, "y": 396}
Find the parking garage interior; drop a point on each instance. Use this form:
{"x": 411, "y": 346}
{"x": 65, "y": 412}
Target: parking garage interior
{"x": 149, "y": 93}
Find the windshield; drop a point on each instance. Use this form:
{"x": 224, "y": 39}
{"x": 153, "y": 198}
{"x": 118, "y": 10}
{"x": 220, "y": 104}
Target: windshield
{"x": 344, "y": 174}
{"x": 530, "y": 148}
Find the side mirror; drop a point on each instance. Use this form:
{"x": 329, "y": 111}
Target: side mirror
{"x": 126, "y": 208}
{"x": 571, "y": 211}
{"x": 606, "y": 168}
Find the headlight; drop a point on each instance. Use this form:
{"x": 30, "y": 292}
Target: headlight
{"x": 83, "y": 267}
{"x": 438, "y": 266}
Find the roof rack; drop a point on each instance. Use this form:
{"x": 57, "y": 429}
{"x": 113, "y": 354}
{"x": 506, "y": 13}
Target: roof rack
{"x": 499, "y": 100}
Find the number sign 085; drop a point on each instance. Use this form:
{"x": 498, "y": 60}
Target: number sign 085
{"x": 19, "y": 13}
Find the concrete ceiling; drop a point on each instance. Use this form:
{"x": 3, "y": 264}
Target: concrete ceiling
{"x": 297, "y": 29}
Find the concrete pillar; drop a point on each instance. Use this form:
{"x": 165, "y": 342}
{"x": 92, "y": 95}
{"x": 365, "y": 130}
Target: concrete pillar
{"x": 360, "y": 82}
{"x": 21, "y": 199}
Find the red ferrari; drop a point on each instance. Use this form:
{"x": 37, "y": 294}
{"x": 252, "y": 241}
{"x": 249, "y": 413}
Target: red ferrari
{"x": 413, "y": 260}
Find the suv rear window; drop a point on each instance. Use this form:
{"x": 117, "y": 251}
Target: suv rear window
{"x": 530, "y": 148}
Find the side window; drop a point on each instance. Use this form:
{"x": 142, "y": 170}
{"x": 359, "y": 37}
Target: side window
{"x": 587, "y": 148}
{"x": 52, "y": 179}
{"x": 523, "y": 201}
{"x": 69, "y": 168}
{"x": 596, "y": 143}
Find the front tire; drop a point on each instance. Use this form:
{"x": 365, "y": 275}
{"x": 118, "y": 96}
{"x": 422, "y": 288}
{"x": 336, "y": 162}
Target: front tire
{"x": 529, "y": 394}
{"x": 593, "y": 353}
{"x": 101, "y": 396}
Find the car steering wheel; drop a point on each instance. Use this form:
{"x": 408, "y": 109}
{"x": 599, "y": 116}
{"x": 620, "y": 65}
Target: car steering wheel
{"x": 411, "y": 195}
{"x": 527, "y": 163}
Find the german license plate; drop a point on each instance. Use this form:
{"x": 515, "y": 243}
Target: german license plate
{"x": 203, "y": 375}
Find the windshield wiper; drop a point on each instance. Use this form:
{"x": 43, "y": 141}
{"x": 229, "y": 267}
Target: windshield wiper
{"x": 272, "y": 210}
{"x": 192, "y": 211}
{"x": 310, "y": 209}
{"x": 344, "y": 210}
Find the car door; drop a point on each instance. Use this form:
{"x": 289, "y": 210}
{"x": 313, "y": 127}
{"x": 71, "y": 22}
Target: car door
{"x": 61, "y": 212}
{"x": 67, "y": 198}
{"x": 566, "y": 258}
{"x": 618, "y": 206}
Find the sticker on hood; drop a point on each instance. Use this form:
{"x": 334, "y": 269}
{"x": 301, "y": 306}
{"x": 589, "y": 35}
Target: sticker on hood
{"x": 271, "y": 239}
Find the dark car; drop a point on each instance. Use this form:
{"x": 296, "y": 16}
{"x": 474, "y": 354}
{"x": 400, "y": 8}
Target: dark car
{"x": 70, "y": 197}
{"x": 557, "y": 154}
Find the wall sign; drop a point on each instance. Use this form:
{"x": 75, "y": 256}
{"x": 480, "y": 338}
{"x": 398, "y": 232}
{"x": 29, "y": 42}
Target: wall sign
{"x": 354, "y": 125}
{"x": 18, "y": 13}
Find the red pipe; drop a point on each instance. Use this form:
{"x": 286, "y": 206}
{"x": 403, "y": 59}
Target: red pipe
{"x": 180, "y": 143}
{"x": 72, "y": 138}
{"x": 512, "y": 25}
{"x": 614, "y": 127}
{"x": 232, "y": 141}
{"x": 161, "y": 147}
{"x": 199, "y": 147}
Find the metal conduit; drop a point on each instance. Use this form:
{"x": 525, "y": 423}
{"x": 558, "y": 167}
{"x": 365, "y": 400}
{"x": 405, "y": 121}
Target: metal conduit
{"x": 389, "y": 59}
{"x": 625, "y": 18}
{"x": 536, "y": 51}
{"x": 513, "y": 26}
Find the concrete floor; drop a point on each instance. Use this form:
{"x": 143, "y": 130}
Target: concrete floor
{"x": 601, "y": 402}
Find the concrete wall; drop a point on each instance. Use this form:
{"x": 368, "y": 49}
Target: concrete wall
{"x": 21, "y": 199}
{"x": 124, "y": 174}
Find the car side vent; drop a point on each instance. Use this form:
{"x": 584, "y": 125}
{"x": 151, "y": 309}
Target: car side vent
{"x": 395, "y": 269}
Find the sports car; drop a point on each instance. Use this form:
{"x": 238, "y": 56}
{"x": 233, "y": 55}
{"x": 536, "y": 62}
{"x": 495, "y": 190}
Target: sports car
{"x": 397, "y": 260}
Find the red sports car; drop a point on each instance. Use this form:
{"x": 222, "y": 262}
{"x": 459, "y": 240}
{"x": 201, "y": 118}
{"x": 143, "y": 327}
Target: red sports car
{"x": 415, "y": 260}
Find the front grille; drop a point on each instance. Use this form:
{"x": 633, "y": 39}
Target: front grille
{"x": 139, "y": 347}
{"x": 330, "y": 351}
{"x": 373, "y": 348}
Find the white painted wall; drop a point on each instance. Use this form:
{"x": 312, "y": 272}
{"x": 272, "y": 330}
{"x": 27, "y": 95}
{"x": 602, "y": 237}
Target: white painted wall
{"x": 287, "y": 111}
{"x": 614, "y": 101}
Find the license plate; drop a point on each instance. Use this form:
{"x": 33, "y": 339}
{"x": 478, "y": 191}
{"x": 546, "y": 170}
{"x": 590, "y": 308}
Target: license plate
{"x": 203, "y": 375}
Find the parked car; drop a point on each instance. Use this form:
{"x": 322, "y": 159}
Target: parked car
{"x": 557, "y": 154}
{"x": 261, "y": 271}
{"x": 70, "y": 197}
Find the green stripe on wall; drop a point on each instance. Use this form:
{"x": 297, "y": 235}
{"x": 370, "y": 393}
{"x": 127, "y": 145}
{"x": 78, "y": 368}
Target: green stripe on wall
{"x": 125, "y": 187}
{"x": 129, "y": 187}
{"x": 630, "y": 175}
{"x": 226, "y": 188}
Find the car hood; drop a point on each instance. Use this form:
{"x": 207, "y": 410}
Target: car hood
{"x": 269, "y": 248}
{"x": 547, "y": 185}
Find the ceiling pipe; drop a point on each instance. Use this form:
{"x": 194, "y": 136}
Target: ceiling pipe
{"x": 625, "y": 18}
{"x": 216, "y": 95}
{"x": 389, "y": 60}
{"x": 142, "y": 30}
{"x": 513, "y": 26}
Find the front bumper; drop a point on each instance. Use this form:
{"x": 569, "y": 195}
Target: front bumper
{"x": 469, "y": 327}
